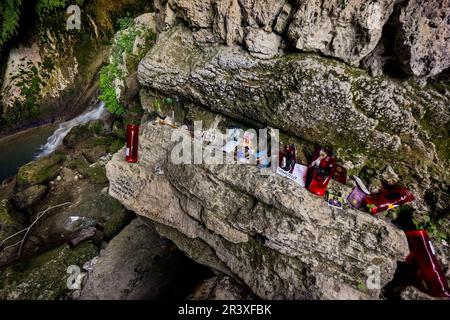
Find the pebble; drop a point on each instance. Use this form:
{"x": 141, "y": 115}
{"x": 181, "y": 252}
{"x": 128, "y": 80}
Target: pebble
{"x": 58, "y": 178}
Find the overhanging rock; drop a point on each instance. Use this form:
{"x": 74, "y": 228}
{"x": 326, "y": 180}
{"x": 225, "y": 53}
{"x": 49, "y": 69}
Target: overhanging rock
{"x": 264, "y": 230}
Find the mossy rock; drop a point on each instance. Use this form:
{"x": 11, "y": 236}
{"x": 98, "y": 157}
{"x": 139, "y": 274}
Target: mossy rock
{"x": 39, "y": 171}
{"x": 79, "y": 135}
{"x": 79, "y": 163}
{"x": 45, "y": 276}
{"x": 29, "y": 196}
{"x": 97, "y": 175}
{"x": 95, "y": 207}
{"x": 116, "y": 146}
{"x": 118, "y": 220}
{"x": 10, "y": 220}
{"x": 95, "y": 147}
{"x": 118, "y": 130}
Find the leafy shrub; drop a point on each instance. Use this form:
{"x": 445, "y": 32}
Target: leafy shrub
{"x": 9, "y": 19}
{"x": 107, "y": 75}
{"x": 45, "y": 6}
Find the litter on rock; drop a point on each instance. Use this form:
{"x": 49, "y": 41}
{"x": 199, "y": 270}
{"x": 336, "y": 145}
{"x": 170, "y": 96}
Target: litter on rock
{"x": 358, "y": 194}
{"x": 388, "y": 198}
{"x": 430, "y": 277}
{"x": 288, "y": 166}
{"x": 320, "y": 171}
{"x": 132, "y": 145}
{"x": 335, "y": 201}
{"x": 340, "y": 174}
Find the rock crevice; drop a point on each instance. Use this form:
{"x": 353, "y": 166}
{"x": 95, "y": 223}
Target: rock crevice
{"x": 286, "y": 244}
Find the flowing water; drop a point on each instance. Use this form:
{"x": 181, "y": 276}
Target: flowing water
{"x": 23, "y": 147}
{"x": 19, "y": 149}
{"x": 56, "y": 139}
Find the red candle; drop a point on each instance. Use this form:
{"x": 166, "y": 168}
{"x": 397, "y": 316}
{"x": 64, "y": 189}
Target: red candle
{"x": 429, "y": 271}
{"x": 131, "y": 151}
{"x": 320, "y": 171}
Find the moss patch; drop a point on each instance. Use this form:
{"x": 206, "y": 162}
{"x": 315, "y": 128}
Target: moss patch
{"x": 10, "y": 221}
{"x": 45, "y": 276}
{"x": 97, "y": 175}
{"x": 39, "y": 171}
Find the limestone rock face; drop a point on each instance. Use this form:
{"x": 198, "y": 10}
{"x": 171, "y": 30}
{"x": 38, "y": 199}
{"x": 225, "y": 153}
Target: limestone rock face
{"x": 137, "y": 264}
{"x": 423, "y": 37}
{"x": 372, "y": 123}
{"x": 262, "y": 44}
{"x": 264, "y": 230}
{"x": 347, "y": 31}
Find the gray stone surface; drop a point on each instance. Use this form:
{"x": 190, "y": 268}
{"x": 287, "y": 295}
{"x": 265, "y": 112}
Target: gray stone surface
{"x": 370, "y": 122}
{"x": 137, "y": 264}
{"x": 423, "y": 37}
{"x": 347, "y": 31}
{"x": 274, "y": 236}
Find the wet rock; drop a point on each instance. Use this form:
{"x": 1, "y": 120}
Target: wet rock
{"x": 10, "y": 220}
{"x": 44, "y": 277}
{"x": 137, "y": 264}
{"x": 221, "y": 288}
{"x": 39, "y": 171}
{"x": 83, "y": 235}
{"x": 29, "y": 196}
{"x": 7, "y": 188}
{"x": 71, "y": 207}
{"x": 422, "y": 39}
{"x": 276, "y": 238}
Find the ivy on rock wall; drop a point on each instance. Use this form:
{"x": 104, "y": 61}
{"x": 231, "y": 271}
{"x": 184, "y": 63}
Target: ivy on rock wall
{"x": 9, "y": 19}
{"x": 123, "y": 61}
{"x": 45, "y": 6}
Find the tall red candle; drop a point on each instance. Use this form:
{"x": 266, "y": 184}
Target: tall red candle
{"x": 429, "y": 271}
{"x": 131, "y": 151}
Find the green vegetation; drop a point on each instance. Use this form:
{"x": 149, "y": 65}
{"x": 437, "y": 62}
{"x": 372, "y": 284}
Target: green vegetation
{"x": 433, "y": 228}
{"x": 124, "y": 45}
{"x": 44, "y": 7}
{"x": 11, "y": 11}
{"x": 97, "y": 175}
{"x": 362, "y": 286}
{"x": 9, "y": 19}
{"x": 44, "y": 277}
{"x": 107, "y": 75}
{"x": 122, "y": 49}
{"x": 39, "y": 171}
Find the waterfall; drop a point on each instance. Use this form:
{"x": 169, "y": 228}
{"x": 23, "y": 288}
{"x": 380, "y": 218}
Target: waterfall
{"x": 56, "y": 139}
